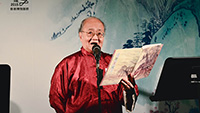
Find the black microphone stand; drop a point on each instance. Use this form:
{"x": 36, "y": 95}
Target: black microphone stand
{"x": 99, "y": 77}
{"x": 97, "y": 54}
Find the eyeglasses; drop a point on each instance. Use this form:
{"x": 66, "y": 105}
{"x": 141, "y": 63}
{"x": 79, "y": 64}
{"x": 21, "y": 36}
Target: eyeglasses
{"x": 92, "y": 33}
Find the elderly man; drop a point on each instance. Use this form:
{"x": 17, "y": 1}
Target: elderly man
{"x": 74, "y": 82}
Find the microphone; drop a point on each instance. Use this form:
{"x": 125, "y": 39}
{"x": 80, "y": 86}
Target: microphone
{"x": 96, "y": 51}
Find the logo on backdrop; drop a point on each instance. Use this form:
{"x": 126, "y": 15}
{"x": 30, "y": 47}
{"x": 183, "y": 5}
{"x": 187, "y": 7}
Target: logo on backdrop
{"x": 19, "y": 5}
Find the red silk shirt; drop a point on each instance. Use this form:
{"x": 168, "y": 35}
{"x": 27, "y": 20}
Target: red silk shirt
{"x": 74, "y": 86}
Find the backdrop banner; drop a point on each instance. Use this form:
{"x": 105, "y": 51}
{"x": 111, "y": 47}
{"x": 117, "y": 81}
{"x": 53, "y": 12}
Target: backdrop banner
{"x": 37, "y": 34}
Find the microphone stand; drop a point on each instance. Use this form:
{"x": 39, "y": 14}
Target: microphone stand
{"x": 99, "y": 77}
{"x": 97, "y": 54}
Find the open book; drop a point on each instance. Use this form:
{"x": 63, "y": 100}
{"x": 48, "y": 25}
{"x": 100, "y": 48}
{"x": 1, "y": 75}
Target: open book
{"x": 135, "y": 61}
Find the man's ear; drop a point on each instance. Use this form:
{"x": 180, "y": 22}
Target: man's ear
{"x": 80, "y": 35}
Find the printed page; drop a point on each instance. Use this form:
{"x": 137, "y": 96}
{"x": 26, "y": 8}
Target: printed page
{"x": 146, "y": 61}
{"x": 122, "y": 64}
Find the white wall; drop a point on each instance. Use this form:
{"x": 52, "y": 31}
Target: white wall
{"x": 26, "y": 46}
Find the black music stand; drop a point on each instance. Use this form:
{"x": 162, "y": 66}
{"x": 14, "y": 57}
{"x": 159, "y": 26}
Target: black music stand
{"x": 5, "y": 88}
{"x": 179, "y": 80}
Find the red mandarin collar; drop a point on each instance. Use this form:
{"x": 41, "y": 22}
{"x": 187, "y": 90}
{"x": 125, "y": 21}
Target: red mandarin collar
{"x": 84, "y": 52}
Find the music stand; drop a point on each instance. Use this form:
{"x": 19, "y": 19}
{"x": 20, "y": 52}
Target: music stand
{"x": 5, "y": 88}
{"x": 179, "y": 80}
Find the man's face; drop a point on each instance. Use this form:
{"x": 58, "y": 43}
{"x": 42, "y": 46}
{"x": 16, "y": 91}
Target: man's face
{"x": 91, "y": 33}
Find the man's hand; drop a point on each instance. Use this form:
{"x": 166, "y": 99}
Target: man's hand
{"x": 130, "y": 86}
{"x": 131, "y": 92}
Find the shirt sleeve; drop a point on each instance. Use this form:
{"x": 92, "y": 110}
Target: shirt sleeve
{"x": 58, "y": 89}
